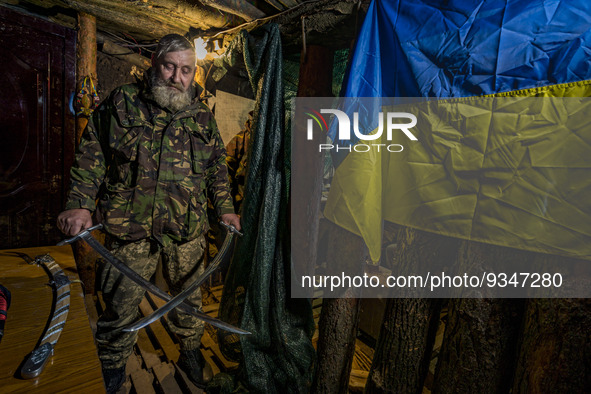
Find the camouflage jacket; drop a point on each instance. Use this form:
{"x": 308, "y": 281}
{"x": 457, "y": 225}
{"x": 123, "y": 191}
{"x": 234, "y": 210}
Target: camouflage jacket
{"x": 237, "y": 160}
{"x": 150, "y": 170}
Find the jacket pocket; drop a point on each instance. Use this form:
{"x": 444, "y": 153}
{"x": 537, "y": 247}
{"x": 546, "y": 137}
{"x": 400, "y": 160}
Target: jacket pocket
{"x": 116, "y": 210}
{"x": 124, "y": 155}
{"x": 125, "y": 147}
{"x": 202, "y": 150}
{"x": 126, "y": 136}
{"x": 184, "y": 203}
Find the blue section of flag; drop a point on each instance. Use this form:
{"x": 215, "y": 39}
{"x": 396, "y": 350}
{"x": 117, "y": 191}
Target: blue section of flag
{"x": 458, "y": 48}
{"x": 429, "y": 48}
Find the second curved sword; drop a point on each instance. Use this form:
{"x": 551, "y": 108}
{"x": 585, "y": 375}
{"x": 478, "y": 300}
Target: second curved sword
{"x": 179, "y": 298}
{"x": 145, "y": 284}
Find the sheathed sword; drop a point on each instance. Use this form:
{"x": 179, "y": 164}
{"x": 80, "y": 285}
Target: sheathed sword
{"x": 146, "y": 284}
{"x": 36, "y": 361}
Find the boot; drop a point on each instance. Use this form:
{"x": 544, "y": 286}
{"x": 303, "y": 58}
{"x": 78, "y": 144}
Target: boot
{"x": 195, "y": 366}
{"x": 114, "y": 379}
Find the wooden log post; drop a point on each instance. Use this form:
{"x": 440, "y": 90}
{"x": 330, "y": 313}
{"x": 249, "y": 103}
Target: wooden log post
{"x": 555, "y": 344}
{"x": 405, "y": 343}
{"x": 85, "y": 61}
{"x": 85, "y": 67}
{"x": 337, "y": 328}
{"x": 480, "y": 340}
{"x": 403, "y": 350}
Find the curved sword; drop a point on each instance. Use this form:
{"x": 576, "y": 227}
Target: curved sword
{"x": 35, "y": 364}
{"x": 179, "y": 298}
{"x": 145, "y": 284}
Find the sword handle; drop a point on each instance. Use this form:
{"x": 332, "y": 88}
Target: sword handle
{"x": 36, "y": 361}
{"x": 231, "y": 228}
{"x": 95, "y": 227}
{"x": 80, "y": 234}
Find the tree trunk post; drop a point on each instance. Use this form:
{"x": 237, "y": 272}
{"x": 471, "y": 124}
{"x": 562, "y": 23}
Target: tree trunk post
{"x": 405, "y": 343}
{"x": 85, "y": 61}
{"x": 480, "y": 340}
{"x": 555, "y": 346}
{"x": 339, "y": 316}
{"x": 85, "y": 67}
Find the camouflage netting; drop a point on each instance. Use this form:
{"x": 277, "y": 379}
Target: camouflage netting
{"x": 279, "y": 354}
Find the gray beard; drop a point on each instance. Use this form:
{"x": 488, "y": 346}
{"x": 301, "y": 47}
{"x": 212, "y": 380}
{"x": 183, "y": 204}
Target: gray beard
{"x": 170, "y": 98}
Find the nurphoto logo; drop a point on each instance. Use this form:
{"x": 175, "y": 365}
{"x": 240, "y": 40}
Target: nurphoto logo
{"x": 344, "y": 130}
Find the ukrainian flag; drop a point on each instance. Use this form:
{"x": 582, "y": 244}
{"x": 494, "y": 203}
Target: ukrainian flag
{"x": 517, "y": 171}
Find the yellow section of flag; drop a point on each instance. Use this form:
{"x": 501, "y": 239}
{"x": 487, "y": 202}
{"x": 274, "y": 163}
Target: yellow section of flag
{"x": 511, "y": 169}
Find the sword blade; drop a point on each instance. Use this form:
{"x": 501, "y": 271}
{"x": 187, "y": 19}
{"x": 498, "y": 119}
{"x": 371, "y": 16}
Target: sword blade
{"x": 124, "y": 269}
{"x": 146, "y": 284}
{"x": 218, "y": 323}
{"x": 179, "y": 298}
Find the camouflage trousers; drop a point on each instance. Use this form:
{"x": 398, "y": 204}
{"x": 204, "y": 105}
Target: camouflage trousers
{"x": 181, "y": 265}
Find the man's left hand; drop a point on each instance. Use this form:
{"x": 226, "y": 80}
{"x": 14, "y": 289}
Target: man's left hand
{"x": 232, "y": 219}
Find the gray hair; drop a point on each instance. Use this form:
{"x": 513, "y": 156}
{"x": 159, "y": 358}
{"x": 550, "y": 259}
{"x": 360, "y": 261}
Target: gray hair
{"x": 171, "y": 43}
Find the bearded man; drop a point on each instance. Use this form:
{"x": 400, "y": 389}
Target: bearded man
{"x": 149, "y": 158}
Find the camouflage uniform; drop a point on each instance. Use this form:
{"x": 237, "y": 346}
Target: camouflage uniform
{"x": 237, "y": 161}
{"x": 151, "y": 171}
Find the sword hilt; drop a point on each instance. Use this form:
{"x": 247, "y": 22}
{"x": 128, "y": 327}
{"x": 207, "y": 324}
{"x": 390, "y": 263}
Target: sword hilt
{"x": 231, "y": 228}
{"x": 80, "y": 235}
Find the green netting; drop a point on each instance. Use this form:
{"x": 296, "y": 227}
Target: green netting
{"x": 279, "y": 354}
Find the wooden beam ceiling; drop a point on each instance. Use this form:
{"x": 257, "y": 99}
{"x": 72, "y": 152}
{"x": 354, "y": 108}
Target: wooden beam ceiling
{"x": 327, "y": 22}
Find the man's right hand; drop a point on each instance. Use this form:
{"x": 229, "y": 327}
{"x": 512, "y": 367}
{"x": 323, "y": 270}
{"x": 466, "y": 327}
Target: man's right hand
{"x": 72, "y": 221}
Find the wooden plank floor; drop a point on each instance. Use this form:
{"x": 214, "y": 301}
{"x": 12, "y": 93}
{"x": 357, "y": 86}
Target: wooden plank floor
{"x": 74, "y": 366}
{"x": 152, "y": 367}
